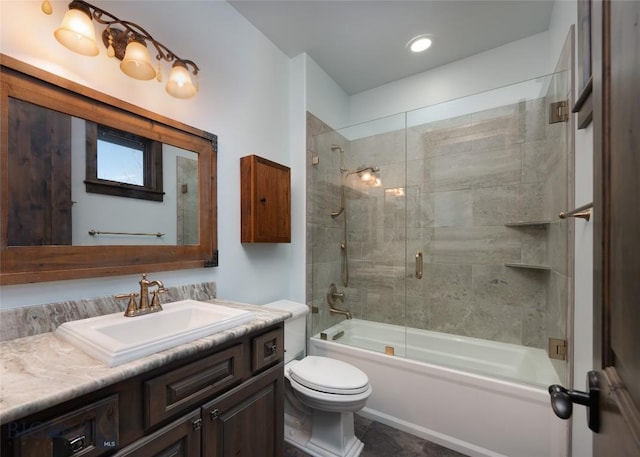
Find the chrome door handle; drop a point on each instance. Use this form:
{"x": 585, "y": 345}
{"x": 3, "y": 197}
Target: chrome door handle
{"x": 419, "y": 265}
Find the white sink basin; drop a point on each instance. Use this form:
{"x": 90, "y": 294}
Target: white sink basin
{"x": 115, "y": 339}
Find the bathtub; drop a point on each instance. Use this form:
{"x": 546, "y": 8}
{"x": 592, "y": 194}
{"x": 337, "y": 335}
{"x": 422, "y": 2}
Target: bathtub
{"x": 478, "y": 397}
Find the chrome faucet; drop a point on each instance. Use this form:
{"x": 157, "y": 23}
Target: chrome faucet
{"x": 144, "y": 307}
{"x": 332, "y": 296}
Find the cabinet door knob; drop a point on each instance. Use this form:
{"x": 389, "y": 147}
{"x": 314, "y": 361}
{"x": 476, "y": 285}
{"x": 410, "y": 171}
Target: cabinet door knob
{"x": 214, "y": 414}
{"x": 263, "y": 200}
{"x": 197, "y": 424}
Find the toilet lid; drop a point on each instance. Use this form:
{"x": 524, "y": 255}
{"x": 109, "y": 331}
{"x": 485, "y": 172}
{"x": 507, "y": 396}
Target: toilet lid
{"x": 329, "y": 375}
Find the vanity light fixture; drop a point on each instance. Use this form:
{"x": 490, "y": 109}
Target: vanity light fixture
{"x": 367, "y": 176}
{"x": 420, "y": 43}
{"x": 127, "y": 42}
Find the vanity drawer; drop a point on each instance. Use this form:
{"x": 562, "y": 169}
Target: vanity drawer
{"x": 173, "y": 392}
{"x": 90, "y": 431}
{"x": 267, "y": 349}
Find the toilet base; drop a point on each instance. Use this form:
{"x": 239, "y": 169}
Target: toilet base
{"x": 329, "y": 435}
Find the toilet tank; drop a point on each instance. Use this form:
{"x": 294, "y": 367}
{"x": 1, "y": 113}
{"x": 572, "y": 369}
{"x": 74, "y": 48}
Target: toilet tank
{"x": 295, "y": 328}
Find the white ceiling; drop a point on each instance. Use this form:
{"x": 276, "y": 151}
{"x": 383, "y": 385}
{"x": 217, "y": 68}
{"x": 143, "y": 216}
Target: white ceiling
{"x": 361, "y": 43}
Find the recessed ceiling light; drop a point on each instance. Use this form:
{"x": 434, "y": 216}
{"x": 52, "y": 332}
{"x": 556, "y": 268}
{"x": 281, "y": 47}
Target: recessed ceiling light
{"x": 420, "y": 43}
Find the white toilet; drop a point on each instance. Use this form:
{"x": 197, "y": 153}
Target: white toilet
{"x": 321, "y": 394}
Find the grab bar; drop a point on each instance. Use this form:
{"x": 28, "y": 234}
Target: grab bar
{"x": 582, "y": 212}
{"x": 419, "y": 265}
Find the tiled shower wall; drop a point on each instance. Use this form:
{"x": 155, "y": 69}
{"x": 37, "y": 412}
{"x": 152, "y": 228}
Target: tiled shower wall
{"x": 463, "y": 179}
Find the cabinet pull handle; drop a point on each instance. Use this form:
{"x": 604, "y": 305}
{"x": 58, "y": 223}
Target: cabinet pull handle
{"x": 419, "y": 265}
{"x": 271, "y": 349}
{"x": 77, "y": 444}
{"x": 64, "y": 446}
{"x": 213, "y": 415}
{"x": 197, "y": 424}
{"x": 263, "y": 200}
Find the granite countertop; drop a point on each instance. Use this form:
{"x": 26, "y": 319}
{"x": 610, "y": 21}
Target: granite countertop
{"x": 41, "y": 371}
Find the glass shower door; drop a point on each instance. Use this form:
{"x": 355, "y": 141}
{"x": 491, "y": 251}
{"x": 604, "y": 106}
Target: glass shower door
{"x": 357, "y": 223}
{"x": 492, "y": 173}
{"x": 439, "y": 227}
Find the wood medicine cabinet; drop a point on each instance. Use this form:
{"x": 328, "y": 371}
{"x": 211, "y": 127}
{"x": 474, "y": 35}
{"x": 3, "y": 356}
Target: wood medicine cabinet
{"x": 265, "y": 195}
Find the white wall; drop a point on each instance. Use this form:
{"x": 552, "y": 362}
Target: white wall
{"x": 325, "y": 99}
{"x": 244, "y": 99}
{"x": 514, "y": 62}
{"x": 297, "y": 107}
{"x": 311, "y": 89}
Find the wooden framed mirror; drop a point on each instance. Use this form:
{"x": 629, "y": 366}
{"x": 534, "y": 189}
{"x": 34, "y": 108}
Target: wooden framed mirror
{"x": 55, "y": 225}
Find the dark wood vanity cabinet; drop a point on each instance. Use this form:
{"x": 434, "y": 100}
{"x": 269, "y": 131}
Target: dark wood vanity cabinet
{"x": 181, "y": 438}
{"x": 90, "y": 431}
{"x": 227, "y": 401}
{"x": 242, "y": 422}
{"x": 265, "y": 200}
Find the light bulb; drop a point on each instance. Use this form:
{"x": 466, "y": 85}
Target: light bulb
{"x": 365, "y": 176}
{"x": 180, "y": 84}
{"x": 420, "y": 43}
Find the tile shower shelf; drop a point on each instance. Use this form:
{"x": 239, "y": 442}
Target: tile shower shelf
{"x": 528, "y": 266}
{"x": 526, "y": 224}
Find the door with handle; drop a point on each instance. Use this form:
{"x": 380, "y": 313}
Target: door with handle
{"x": 615, "y": 394}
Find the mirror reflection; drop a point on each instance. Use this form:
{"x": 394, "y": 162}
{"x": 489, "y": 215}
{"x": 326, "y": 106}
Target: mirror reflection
{"x": 75, "y": 182}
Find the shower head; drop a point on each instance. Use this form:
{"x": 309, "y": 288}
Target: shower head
{"x": 335, "y": 147}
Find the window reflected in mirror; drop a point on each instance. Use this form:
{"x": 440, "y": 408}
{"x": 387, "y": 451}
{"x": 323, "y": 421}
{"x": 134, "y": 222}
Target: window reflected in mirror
{"x": 120, "y": 159}
{"x": 77, "y": 183}
{"x": 123, "y": 164}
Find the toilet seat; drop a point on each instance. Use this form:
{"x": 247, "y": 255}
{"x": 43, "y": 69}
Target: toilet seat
{"x": 323, "y": 401}
{"x": 329, "y": 376}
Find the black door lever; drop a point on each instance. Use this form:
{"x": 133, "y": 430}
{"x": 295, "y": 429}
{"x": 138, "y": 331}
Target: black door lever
{"x": 562, "y": 401}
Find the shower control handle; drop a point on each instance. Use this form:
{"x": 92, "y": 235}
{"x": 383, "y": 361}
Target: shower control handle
{"x": 332, "y": 296}
{"x": 562, "y": 400}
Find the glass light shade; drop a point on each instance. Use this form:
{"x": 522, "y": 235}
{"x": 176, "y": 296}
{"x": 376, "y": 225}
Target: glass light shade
{"x": 365, "y": 176}
{"x": 180, "y": 84}
{"x": 136, "y": 62}
{"x": 77, "y": 33}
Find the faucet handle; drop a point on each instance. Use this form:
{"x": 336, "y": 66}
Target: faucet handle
{"x": 155, "y": 301}
{"x": 132, "y": 307}
{"x": 338, "y": 296}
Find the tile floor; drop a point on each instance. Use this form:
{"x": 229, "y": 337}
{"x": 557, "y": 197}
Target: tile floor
{"x": 383, "y": 441}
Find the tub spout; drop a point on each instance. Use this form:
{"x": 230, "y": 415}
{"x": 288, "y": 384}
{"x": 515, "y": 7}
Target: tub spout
{"x": 340, "y": 311}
